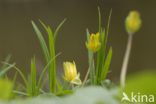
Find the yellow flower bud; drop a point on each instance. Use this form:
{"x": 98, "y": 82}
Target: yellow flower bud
{"x": 94, "y": 42}
{"x": 133, "y": 22}
{"x": 70, "y": 73}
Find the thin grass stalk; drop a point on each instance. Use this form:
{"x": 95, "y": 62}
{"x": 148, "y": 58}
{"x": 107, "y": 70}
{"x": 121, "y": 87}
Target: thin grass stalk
{"x": 100, "y": 58}
{"x": 52, "y": 71}
{"x": 33, "y": 77}
{"x": 98, "y": 54}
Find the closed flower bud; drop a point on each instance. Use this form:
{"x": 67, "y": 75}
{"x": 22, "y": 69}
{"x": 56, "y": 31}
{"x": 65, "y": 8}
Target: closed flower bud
{"x": 94, "y": 43}
{"x": 133, "y": 22}
{"x": 70, "y": 73}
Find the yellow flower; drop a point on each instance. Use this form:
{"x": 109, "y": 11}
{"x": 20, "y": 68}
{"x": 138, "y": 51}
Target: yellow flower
{"x": 133, "y": 22}
{"x": 94, "y": 42}
{"x": 70, "y": 73}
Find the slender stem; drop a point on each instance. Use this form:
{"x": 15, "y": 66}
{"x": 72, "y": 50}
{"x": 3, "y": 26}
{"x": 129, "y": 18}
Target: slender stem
{"x": 86, "y": 77}
{"x": 125, "y": 61}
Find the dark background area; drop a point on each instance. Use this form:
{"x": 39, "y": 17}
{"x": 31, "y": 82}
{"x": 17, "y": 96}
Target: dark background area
{"x": 18, "y": 38}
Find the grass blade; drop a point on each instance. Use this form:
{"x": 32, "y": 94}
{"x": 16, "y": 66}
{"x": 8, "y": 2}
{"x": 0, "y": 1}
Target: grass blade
{"x": 101, "y": 53}
{"x": 52, "y": 67}
{"x": 44, "y": 70}
{"x": 14, "y": 78}
{"x": 100, "y": 58}
{"x": 42, "y": 41}
{"x": 33, "y": 77}
{"x": 20, "y": 72}
{"x": 107, "y": 64}
{"x": 45, "y": 27}
{"x": 52, "y": 71}
{"x": 58, "y": 28}
{"x": 58, "y": 83}
{"x": 7, "y": 59}
{"x": 99, "y": 13}
{"x": 20, "y": 93}
{"x": 6, "y": 68}
{"x": 108, "y": 25}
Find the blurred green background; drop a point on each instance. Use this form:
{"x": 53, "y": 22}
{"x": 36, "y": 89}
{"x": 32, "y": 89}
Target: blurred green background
{"x": 18, "y": 38}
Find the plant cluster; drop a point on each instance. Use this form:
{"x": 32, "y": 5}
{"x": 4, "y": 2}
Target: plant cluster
{"x": 98, "y": 59}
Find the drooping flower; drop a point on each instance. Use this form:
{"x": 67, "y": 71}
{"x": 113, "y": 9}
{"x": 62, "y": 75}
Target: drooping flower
{"x": 70, "y": 73}
{"x": 133, "y": 22}
{"x": 94, "y": 43}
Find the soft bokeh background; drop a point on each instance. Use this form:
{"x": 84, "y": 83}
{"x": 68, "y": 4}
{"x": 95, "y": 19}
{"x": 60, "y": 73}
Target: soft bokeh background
{"x": 18, "y": 38}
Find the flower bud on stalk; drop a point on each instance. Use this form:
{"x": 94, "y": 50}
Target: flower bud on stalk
{"x": 133, "y": 22}
{"x": 94, "y": 43}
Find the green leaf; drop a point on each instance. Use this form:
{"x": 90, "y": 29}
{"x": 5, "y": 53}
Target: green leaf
{"x": 64, "y": 85}
{"x": 14, "y": 78}
{"x": 48, "y": 55}
{"x": 107, "y": 64}
{"x": 33, "y": 77}
{"x": 101, "y": 52}
{"x": 45, "y": 27}
{"x": 108, "y": 25}
{"x": 20, "y": 72}
{"x": 44, "y": 70}
{"x": 20, "y": 93}
{"x": 7, "y": 59}
{"x": 100, "y": 58}
{"x": 42, "y": 42}
{"x": 52, "y": 70}
{"x": 3, "y": 71}
{"x": 99, "y": 13}
{"x": 58, "y": 84}
{"x": 58, "y": 28}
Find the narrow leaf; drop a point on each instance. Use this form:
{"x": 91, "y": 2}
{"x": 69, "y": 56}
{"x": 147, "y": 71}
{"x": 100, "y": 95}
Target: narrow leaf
{"x": 58, "y": 28}
{"x": 20, "y": 93}
{"x": 7, "y": 59}
{"x": 44, "y": 70}
{"x": 33, "y": 77}
{"x": 6, "y": 68}
{"x": 20, "y": 72}
{"x": 108, "y": 25}
{"x": 99, "y": 13}
{"x": 107, "y": 64}
{"x": 42, "y": 41}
